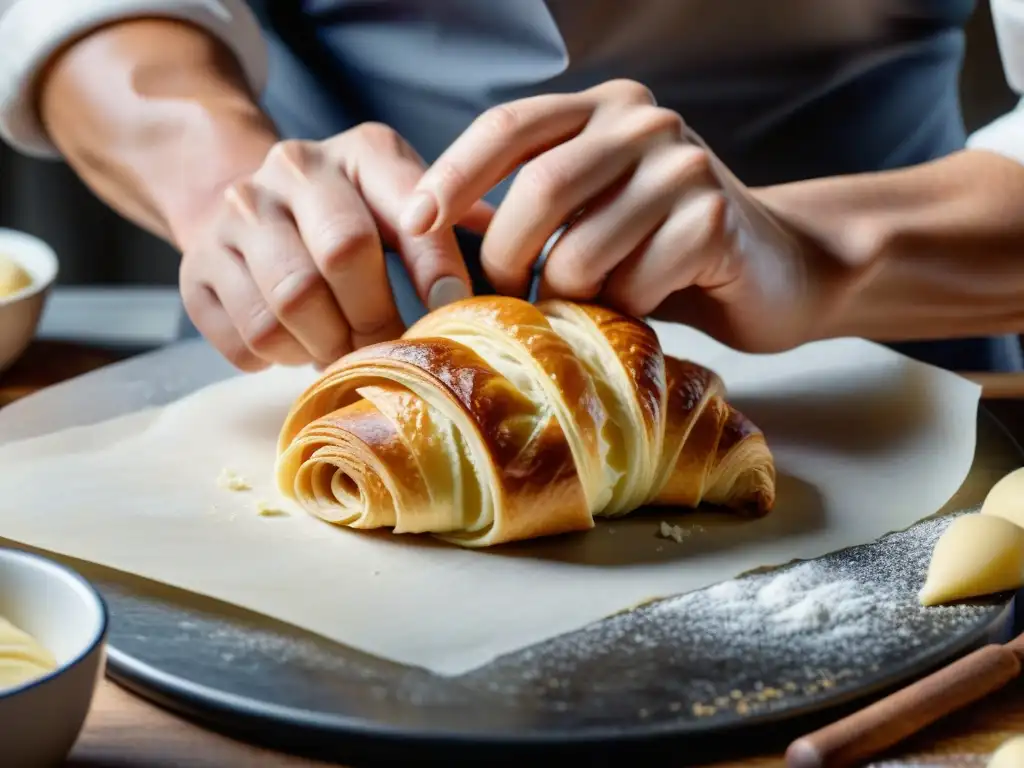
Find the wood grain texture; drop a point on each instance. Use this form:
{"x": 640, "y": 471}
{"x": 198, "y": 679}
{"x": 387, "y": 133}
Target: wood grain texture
{"x": 124, "y": 731}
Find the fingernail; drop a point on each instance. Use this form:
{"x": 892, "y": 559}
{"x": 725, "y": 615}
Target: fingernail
{"x": 447, "y": 290}
{"x": 419, "y": 215}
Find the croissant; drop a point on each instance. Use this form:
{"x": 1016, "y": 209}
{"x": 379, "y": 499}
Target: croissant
{"x": 494, "y": 420}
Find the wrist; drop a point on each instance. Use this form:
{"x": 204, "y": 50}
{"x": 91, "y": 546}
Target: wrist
{"x": 192, "y": 176}
{"x": 927, "y": 252}
{"x": 156, "y": 117}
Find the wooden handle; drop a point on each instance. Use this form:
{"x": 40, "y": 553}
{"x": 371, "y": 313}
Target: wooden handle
{"x": 998, "y": 386}
{"x": 856, "y": 738}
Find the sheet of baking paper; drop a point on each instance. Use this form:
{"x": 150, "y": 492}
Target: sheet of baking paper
{"x": 866, "y": 442}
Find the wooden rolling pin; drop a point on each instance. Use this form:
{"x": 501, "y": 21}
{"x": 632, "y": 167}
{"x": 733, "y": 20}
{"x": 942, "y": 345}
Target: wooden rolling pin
{"x": 864, "y": 734}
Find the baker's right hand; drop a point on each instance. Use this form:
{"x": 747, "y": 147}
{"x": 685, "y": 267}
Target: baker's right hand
{"x": 288, "y": 266}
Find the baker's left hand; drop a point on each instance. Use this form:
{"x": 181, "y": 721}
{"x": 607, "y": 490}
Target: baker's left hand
{"x": 658, "y": 225}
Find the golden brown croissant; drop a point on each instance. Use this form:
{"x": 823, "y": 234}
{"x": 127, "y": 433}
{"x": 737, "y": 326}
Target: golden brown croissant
{"x": 493, "y": 420}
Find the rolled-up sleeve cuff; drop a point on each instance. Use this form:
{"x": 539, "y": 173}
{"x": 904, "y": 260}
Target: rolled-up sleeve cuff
{"x": 1005, "y": 135}
{"x": 32, "y": 31}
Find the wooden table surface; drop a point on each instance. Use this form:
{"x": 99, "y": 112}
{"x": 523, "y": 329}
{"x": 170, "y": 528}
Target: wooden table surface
{"x": 124, "y": 731}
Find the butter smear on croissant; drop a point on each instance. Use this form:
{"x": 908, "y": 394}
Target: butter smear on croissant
{"x": 494, "y": 420}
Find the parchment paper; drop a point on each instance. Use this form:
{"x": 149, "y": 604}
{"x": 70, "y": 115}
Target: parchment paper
{"x": 866, "y": 442}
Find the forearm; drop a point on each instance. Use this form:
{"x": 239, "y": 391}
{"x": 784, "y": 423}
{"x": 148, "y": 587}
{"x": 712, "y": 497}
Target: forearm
{"x": 156, "y": 117}
{"x": 934, "y": 251}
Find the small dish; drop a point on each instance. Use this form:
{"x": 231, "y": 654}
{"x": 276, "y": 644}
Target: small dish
{"x": 40, "y": 720}
{"x": 20, "y": 312}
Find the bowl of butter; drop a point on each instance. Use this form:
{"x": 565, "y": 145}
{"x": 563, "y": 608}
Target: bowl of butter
{"x": 53, "y": 629}
{"x": 28, "y": 268}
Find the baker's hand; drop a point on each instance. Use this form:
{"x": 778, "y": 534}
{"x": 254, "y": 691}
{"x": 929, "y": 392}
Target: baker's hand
{"x": 288, "y": 267}
{"x": 658, "y": 225}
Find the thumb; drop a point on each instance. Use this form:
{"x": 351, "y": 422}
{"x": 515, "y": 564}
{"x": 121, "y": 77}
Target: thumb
{"x": 387, "y": 180}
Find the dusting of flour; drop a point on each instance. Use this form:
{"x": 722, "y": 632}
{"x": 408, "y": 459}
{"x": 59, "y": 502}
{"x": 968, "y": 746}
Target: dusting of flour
{"x": 763, "y": 643}
{"x": 759, "y": 643}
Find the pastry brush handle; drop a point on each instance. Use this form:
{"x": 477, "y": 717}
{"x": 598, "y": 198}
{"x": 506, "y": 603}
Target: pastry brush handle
{"x": 864, "y": 734}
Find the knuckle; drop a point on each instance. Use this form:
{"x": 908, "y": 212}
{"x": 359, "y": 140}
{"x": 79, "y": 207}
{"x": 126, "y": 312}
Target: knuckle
{"x": 545, "y": 180}
{"x": 501, "y": 122}
{"x": 262, "y": 331}
{"x": 646, "y": 121}
{"x": 631, "y": 91}
{"x": 868, "y": 239}
{"x": 380, "y": 136}
{"x": 340, "y": 246}
{"x": 244, "y": 200}
{"x": 685, "y": 165}
{"x": 713, "y": 233}
{"x": 291, "y": 292}
{"x": 718, "y": 214}
{"x": 291, "y": 153}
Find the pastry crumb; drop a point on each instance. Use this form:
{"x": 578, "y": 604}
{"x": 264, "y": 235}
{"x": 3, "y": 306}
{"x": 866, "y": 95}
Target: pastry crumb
{"x": 232, "y": 481}
{"x": 677, "y": 533}
{"x": 263, "y": 509}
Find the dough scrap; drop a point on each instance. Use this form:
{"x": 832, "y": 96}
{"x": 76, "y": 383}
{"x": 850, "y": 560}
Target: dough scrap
{"x": 977, "y": 555}
{"x": 1009, "y": 755}
{"x": 22, "y": 658}
{"x": 266, "y": 509}
{"x": 1006, "y": 499}
{"x": 230, "y": 481}
{"x": 13, "y": 277}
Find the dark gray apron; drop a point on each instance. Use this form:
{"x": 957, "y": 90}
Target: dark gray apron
{"x": 782, "y": 91}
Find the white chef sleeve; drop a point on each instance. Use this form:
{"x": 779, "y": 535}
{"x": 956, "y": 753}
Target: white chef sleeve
{"x": 33, "y": 30}
{"x": 1005, "y": 135}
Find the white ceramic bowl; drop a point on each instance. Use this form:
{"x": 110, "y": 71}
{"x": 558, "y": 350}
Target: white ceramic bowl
{"x": 20, "y": 313}
{"x": 41, "y": 719}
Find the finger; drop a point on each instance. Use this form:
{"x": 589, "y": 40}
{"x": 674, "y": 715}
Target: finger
{"x": 498, "y": 141}
{"x": 262, "y": 331}
{"x": 502, "y": 139}
{"x": 682, "y": 253}
{"x": 210, "y": 319}
{"x": 608, "y": 233}
{"x": 335, "y": 279}
{"x": 385, "y": 170}
{"x": 293, "y": 288}
{"x": 554, "y": 186}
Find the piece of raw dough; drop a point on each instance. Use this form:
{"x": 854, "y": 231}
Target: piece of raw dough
{"x": 231, "y": 481}
{"x": 1009, "y": 755}
{"x": 22, "y": 658}
{"x": 13, "y": 277}
{"x": 977, "y": 555}
{"x": 1006, "y": 499}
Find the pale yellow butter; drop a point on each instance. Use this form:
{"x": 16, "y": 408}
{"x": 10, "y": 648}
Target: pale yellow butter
{"x": 13, "y": 278}
{"x": 977, "y": 555}
{"x": 1009, "y": 755}
{"x": 22, "y": 658}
